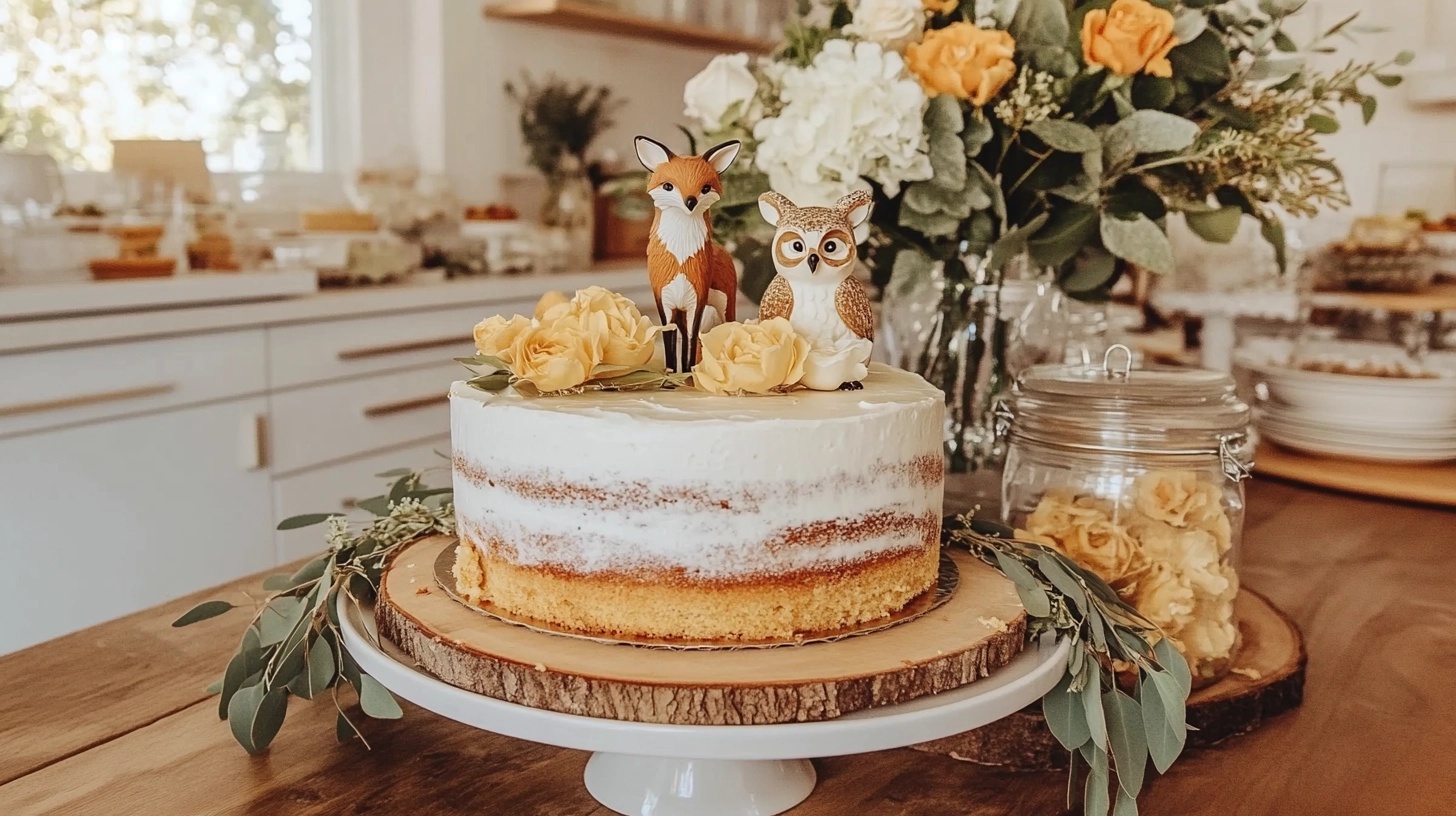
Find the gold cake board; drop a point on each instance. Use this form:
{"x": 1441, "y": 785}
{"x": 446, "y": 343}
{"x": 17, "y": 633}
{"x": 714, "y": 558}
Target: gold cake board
{"x": 979, "y": 630}
{"x": 1268, "y": 679}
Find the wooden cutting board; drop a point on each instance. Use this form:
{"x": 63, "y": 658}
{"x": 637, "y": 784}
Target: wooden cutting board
{"x": 1424, "y": 483}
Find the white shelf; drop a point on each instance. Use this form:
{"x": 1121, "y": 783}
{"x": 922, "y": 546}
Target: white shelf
{"x": 32, "y": 300}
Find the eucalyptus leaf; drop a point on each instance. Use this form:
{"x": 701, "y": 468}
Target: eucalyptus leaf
{"x": 1035, "y": 600}
{"x": 1098, "y": 628}
{"x": 1097, "y": 794}
{"x": 320, "y": 674}
{"x": 1065, "y": 715}
{"x": 279, "y": 618}
{"x": 1062, "y": 579}
{"x": 1014, "y": 242}
{"x": 376, "y": 700}
{"x": 1066, "y": 232}
{"x": 246, "y": 662}
{"x": 1066, "y": 136}
{"x": 376, "y": 505}
{"x": 1129, "y": 744}
{"x": 201, "y": 612}
{"x": 1172, "y": 661}
{"x": 1092, "y": 271}
{"x": 1321, "y": 124}
{"x": 977, "y": 133}
{"x": 1092, "y": 707}
{"x": 1217, "y": 226}
{"x": 312, "y": 571}
{"x": 491, "y": 383}
{"x": 1405, "y": 58}
{"x": 305, "y": 520}
{"x": 1040, "y": 23}
{"x": 1013, "y": 569}
{"x": 1273, "y": 231}
{"x": 216, "y": 686}
{"x": 1125, "y": 804}
{"x": 255, "y": 716}
{"x": 278, "y": 583}
{"x": 1138, "y": 240}
{"x": 1189, "y": 23}
{"x": 1164, "y": 740}
{"x": 1368, "y": 106}
{"x": 344, "y": 729}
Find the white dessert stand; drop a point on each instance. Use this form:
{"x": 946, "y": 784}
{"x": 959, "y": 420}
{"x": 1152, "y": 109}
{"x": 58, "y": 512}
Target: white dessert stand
{"x": 644, "y": 769}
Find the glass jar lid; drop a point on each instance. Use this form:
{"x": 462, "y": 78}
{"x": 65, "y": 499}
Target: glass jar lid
{"x": 1115, "y": 408}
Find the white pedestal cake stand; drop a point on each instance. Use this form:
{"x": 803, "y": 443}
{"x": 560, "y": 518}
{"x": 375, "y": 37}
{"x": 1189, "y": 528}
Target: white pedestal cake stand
{"x": 644, "y": 769}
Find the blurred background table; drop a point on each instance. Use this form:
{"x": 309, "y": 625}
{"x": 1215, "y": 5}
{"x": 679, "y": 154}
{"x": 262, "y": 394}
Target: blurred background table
{"x": 114, "y": 719}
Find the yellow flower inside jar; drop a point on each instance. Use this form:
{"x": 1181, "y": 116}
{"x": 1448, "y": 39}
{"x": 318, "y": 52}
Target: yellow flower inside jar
{"x": 964, "y": 60}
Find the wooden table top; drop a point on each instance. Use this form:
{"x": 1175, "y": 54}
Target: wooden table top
{"x": 115, "y": 719}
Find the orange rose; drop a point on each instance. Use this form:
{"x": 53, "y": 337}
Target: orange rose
{"x": 1132, "y": 36}
{"x": 964, "y": 61}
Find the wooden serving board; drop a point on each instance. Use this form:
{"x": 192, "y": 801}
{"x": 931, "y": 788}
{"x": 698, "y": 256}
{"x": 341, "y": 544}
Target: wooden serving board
{"x": 1425, "y": 483}
{"x": 1436, "y": 299}
{"x": 1268, "y": 679}
{"x": 954, "y": 644}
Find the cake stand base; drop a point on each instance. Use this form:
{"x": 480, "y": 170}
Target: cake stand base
{"x": 663, "y": 786}
{"x": 656, "y": 769}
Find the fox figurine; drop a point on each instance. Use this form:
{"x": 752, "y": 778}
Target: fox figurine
{"x": 693, "y": 279}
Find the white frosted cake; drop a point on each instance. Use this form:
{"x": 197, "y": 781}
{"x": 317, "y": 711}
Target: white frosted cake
{"x": 682, "y": 514}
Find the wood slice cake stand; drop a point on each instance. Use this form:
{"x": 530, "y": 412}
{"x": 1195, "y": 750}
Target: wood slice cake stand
{"x": 704, "y": 732}
{"x": 1268, "y": 679}
{"x": 1424, "y": 483}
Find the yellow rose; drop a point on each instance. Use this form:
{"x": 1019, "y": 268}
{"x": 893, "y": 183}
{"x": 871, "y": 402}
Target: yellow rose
{"x": 550, "y": 302}
{"x": 964, "y": 61}
{"x": 1131, "y": 36}
{"x": 555, "y": 356}
{"x": 941, "y": 6}
{"x": 627, "y": 337}
{"x": 1211, "y": 635}
{"x": 1164, "y": 597}
{"x": 1083, "y": 529}
{"x": 750, "y": 358}
{"x": 494, "y": 336}
{"x": 1177, "y": 497}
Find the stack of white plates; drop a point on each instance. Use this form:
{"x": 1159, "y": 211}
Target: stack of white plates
{"x": 1356, "y": 416}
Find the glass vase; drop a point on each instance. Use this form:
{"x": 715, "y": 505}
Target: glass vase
{"x": 568, "y": 218}
{"x": 969, "y": 329}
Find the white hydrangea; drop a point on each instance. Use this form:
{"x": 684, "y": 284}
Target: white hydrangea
{"x": 855, "y": 113}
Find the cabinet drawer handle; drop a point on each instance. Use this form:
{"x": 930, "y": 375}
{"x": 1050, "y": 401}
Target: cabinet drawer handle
{"x": 401, "y": 348}
{"x": 403, "y": 406}
{"x": 82, "y": 400}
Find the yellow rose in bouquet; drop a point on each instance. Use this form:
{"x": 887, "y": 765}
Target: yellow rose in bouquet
{"x": 1130, "y": 37}
{"x": 751, "y": 358}
{"x": 964, "y": 61}
{"x": 495, "y": 335}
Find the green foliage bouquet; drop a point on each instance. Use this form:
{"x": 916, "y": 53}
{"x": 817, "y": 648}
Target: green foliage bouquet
{"x": 1066, "y": 130}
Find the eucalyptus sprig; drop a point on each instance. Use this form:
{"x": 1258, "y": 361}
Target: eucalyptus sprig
{"x": 1089, "y": 712}
{"x": 292, "y": 646}
{"x": 493, "y": 375}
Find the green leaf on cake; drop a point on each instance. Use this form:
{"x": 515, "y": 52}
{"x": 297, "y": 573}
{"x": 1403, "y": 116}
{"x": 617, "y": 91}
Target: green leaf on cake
{"x": 201, "y": 612}
{"x": 496, "y": 381}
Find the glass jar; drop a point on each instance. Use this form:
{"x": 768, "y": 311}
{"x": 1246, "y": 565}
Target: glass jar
{"x": 1137, "y": 475}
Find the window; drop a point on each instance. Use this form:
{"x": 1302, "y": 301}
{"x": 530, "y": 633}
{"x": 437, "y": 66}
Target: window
{"x": 237, "y": 74}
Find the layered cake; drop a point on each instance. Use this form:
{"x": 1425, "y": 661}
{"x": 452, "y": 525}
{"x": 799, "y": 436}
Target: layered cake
{"x": 680, "y": 514}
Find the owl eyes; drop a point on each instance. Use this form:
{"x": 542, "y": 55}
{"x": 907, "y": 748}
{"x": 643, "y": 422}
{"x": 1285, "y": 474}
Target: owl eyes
{"x": 835, "y": 247}
{"x": 798, "y": 246}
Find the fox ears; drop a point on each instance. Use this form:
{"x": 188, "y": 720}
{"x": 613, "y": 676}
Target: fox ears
{"x": 855, "y": 207}
{"x": 653, "y": 153}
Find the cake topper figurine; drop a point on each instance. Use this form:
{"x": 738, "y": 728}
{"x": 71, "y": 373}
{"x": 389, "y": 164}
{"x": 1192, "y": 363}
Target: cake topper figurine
{"x": 814, "y": 251}
{"x": 693, "y": 279}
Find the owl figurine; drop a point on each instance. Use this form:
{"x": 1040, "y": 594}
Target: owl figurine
{"x": 814, "y": 251}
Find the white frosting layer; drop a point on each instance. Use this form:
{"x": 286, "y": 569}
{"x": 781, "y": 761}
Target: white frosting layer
{"x": 717, "y": 487}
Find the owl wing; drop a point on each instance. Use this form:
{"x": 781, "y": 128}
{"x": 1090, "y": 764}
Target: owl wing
{"x": 854, "y": 309}
{"x": 778, "y": 300}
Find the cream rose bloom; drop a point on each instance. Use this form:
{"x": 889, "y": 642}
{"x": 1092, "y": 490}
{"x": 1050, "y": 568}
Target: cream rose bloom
{"x": 1211, "y": 635}
{"x": 750, "y": 358}
{"x": 550, "y": 303}
{"x": 893, "y": 24}
{"x": 555, "y": 356}
{"x": 1165, "y": 598}
{"x": 714, "y": 91}
{"x": 627, "y": 337}
{"x": 1083, "y": 528}
{"x": 1177, "y": 497}
{"x": 495, "y": 335}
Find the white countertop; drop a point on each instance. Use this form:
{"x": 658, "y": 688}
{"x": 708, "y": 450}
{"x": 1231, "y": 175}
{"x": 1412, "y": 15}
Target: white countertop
{"x": 42, "y": 333}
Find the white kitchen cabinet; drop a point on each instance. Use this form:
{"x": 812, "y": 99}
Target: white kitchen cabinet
{"x": 335, "y": 488}
{"x": 101, "y": 520}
